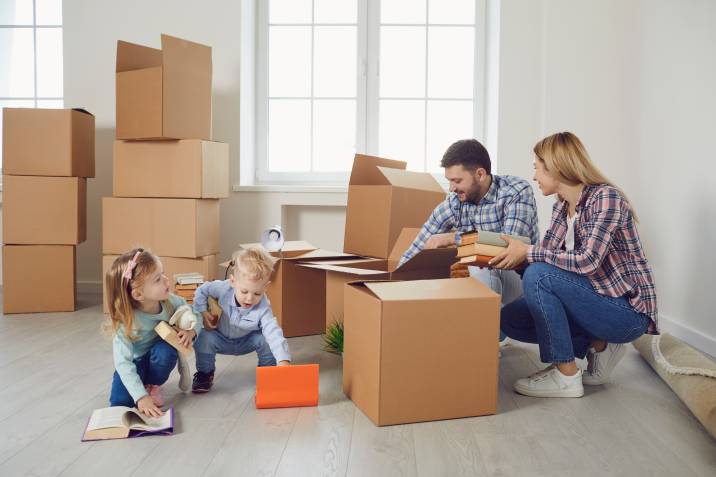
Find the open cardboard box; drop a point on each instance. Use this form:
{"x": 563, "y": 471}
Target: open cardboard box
{"x": 383, "y": 199}
{"x": 48, "y": 142}
{"x": 190, "y": 168}
{"x": 434, "y": 263}
{"x": 298, "y": 294}
{"x": 164, "y": 94}
{"x": 421, "y": 350}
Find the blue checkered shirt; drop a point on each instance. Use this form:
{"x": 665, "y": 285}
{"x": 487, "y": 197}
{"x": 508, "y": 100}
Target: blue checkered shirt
{"x": 508, "y": 207}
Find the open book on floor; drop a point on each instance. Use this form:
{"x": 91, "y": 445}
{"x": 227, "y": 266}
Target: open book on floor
{"x": 120, "y": 422}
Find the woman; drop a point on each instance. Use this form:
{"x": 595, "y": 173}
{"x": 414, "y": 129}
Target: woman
{"x": 588, "y": 287}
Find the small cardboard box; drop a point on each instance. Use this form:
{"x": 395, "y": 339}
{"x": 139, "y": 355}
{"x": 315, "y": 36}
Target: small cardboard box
{"x": 44, "y": 210}
{"x": 383, "y": 199}
{"x": 298, "y": 294}
{"x": 20, "y": 267}
{"x": 190, "y": 168}
{"x": 169, "y": 227}
{"x": 421, "y": 350}
{"x": 434, "y": 263}
{"x": 164, "y": 94}
{"x": 48, "y": 142}
{"x": 207, "y": 266}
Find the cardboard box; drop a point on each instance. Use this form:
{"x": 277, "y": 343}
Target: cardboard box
{"x": 298, "y": 294}
{"x": 434, "y": 263}
{"x": 207, "y": 266}
{"x": 169, "y": 227}
{"x": 164, "y": 94}
{"x": 20, "y": 267}
{"x": 48, "y": 142}
{"x": 44, "y": 210}
{"x": 190, "y": 168}
{"x": 383, "y": 199}
{"x": 421, "y": 350}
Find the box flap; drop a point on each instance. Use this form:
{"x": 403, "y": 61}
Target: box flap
{"x": 425, "y": 259}
{"x": 346, "y": 261}
{"x": 82, "y": 110}
{"x": 181, "y": 54}
{"x": 291, "y": 248}
{"x": 404, "y": 241}
{"x": 411, "y": 179}
{"x": 365, "y": 171}
{"x": 346, "y": 270}
{"x": 421, "y": 290}
{"x": 131, "y": 56}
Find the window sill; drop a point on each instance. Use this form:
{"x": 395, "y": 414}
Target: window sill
{"x": 291, "y": 188}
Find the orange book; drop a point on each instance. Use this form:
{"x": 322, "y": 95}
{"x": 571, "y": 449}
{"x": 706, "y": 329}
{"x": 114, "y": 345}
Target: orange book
{"x": 286, "y": 386}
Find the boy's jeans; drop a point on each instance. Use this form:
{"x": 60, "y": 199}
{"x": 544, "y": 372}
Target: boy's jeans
{"x": 506, "y": 283}
{"x": 153, "y": 368}
{"x": 209, "y": 343}
{"x": 563, "y": 313}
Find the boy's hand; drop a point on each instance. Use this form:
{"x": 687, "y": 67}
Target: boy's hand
{"x": 147, "y": 407}
{"x": 284, "y": 363}
{"x": 186, "y": 337}
{"x": 210, "y": 321}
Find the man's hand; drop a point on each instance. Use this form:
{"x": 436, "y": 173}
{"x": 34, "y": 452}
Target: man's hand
{"x": 186, "y": 337}
{"x": 210, "y": 321}
{"x": 440, "y": 240}
{"x": 147, "y": 407}
{"x": 513, "y": 256}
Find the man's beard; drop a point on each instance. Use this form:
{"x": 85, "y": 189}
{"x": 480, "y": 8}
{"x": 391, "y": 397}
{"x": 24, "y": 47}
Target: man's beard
{"x": 473, "y": 195}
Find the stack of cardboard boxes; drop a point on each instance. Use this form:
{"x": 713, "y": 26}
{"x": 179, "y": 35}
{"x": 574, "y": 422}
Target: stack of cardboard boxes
{"x": 48, "y": 154}
{"x": 168, "y": 176}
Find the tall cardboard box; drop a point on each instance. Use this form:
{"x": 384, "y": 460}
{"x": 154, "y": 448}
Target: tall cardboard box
{"x": 44, "y": 210}
{"x": 421, "y": 350}
{"x": 190, "y": 168}
{"x": 169, "y": 227}
{"x": 164, "y": 94}
{"x": 383, "y": 199}
{"x": 298, "y": 294}
{"x": 433, "y": 263}
{"x": 207, "y": 266}
{"x": 48, "y": 142}
{"x": 21, "y": 267}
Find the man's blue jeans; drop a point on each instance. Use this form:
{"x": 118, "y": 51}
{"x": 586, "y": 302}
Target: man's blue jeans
{"x": 153, "y": 368}
{"x": 563, "y": 313}
{"x": 506, "y": 283}
{"x": 209, "y": 343}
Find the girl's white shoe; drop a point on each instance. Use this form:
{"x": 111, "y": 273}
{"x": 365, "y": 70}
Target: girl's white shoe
{"x": 550, "y": 382}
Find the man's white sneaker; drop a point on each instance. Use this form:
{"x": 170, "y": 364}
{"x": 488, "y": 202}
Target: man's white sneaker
{"x": 550, "y": 382}
{"x": 600, "y": 365}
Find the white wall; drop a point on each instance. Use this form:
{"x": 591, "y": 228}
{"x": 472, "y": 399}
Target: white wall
{"x": 634, "y": 79}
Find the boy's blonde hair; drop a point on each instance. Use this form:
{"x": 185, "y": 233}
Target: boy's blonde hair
{"x": 253, "y": 263}
{"x": 120, "y": 281}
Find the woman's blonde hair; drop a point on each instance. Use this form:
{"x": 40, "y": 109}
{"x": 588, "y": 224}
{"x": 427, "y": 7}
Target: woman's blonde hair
{"x": 566, "y": 159}
{"x": 123, "y": 277}
{"x": 254, "y": 263}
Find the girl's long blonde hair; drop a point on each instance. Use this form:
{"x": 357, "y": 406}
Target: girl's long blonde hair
{"x": 119, "y": 289}
{"x": 566, "y": 159}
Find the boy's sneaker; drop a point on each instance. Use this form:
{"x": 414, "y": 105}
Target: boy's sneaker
{"x": 600, "y": 365}
{"x": 550, "y": 382}
{"x": 184, "y": 372}
{"x": 202, "y": 382}
{"x": 155, "y": 392}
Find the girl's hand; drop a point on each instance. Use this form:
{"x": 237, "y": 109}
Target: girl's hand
{"x": 147, "y": 407}
{"x": 210, "y": 321}
{"x": 284, "y": 363}
{"x": 186, "y": 337}
{"x": 513, "y": 256}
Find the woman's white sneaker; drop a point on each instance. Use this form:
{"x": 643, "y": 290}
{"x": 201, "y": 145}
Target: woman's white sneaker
{"x": 600, "y": 365}
{"x": 550, "y": 382}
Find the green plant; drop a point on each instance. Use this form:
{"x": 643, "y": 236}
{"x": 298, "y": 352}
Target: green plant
{"x": 333, "y": 339}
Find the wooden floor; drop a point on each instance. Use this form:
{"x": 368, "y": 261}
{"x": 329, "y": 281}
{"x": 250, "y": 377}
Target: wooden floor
{"x": 56, "y": 368}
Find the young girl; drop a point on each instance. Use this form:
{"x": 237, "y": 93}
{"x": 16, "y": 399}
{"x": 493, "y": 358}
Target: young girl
{"x": 138, "y": 295}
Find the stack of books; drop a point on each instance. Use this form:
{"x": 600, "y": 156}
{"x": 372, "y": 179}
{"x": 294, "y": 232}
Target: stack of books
{"x": 479, "y": 247}
{"x": 186, "y": 285}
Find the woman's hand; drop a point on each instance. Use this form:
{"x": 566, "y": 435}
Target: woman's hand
{"x": 147, "y": 407}
{"x": 512, "y": 257}
{"x": 186, "y": 337}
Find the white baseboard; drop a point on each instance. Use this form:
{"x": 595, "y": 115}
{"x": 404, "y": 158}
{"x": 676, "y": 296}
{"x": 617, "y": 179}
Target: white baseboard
{"x": 697, "y": 339}
{"x": 94, "y": 287}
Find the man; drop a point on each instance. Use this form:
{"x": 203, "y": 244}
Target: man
{"x": 479, "y": 200}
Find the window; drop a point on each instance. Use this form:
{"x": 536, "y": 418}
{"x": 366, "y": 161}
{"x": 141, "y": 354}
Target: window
{"x": 396, "y": 78}
{"x": 30, "y": 54}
